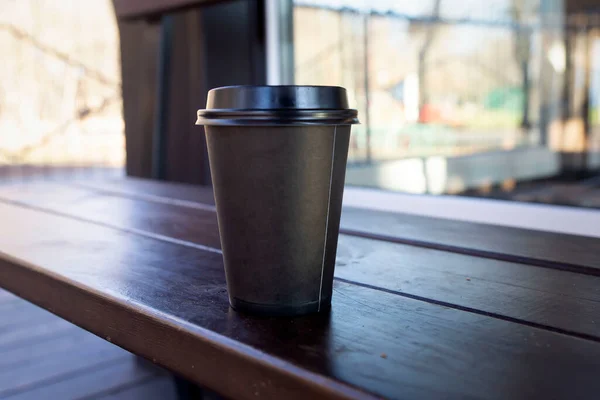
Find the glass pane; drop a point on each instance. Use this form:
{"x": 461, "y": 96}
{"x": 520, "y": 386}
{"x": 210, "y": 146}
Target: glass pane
{"x": 487, "y": 98}
{"x": 60, "y": 90}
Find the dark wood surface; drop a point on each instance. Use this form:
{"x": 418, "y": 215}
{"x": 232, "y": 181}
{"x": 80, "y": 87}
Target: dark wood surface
{"x": 144, "y": 189}
{"x": 497, "y": 242}
{"x": 219, "y": 45}
{"x": 553, "y": 299}
{"x": 68, "y": 362}
{"x": 168, "y": 66}
{"x": 184, "y": 144}
{"x": 407, "y": 321}
{"x": 547, "y": 249}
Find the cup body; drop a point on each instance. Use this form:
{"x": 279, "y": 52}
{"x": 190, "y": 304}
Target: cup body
{"x": 278, "y": 162}
{"x": 278, "y": 192}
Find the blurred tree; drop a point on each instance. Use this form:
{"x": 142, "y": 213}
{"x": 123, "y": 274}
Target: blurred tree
{"x": 430, "y": 33}
{"x": 60, "y": 89}
{"x": 521, "y": 12}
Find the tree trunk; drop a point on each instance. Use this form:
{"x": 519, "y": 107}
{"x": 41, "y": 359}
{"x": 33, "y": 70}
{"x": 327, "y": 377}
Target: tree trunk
{"x": 525, "y": 123}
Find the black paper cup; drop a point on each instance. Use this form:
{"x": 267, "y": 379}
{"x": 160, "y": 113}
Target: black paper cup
{"x": 278, "y": 161}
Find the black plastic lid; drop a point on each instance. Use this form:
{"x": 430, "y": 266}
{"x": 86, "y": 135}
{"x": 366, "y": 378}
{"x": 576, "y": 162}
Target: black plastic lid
{"x": 277, "y": 105}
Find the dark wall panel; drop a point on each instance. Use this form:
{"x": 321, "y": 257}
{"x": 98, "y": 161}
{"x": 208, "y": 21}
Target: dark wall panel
{"x": 165, "y": 82}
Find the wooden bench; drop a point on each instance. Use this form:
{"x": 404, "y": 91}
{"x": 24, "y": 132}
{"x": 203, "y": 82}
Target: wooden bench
{"x": 422, "y": 307}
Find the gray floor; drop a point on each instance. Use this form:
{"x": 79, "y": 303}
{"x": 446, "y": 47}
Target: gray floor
{"x": 45, "y": 357}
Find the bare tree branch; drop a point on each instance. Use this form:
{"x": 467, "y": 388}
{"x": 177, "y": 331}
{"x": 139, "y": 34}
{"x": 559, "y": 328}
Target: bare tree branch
{"x": 522, "y": 43}
{"x": 82, "y": 114}
{"x": 20, "y": 34}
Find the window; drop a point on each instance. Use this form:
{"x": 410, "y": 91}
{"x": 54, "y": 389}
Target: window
{"x": 492, "y": 99}
{"x": 60, "y": 89}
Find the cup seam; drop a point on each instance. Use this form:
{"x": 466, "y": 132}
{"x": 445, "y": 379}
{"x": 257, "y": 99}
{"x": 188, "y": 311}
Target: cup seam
{"x": 327, "y": 215}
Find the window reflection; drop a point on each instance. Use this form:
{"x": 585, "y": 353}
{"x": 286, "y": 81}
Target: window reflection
{"x": 460, "y": 96}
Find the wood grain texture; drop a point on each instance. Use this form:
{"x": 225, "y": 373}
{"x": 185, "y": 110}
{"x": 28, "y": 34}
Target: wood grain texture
{"x": 553, "y": 299}
{"x": 575, "y": 253}
{"x": 151, "y": 190}
{"x": 568, "y": 252}
{"x": 548, "y": 298}
{"x": 168, "y": 302}
{"x": 196, "y": 225}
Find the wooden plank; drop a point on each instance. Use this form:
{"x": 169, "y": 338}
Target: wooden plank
{"x": 168, "y": 302}
{"x": 190, "y": 196}
{"x": 547, "y": 298}
{"x": 25, "y": 315}
{"x": 551, "y": 299}
{"x": 139, "y": 50}
{"x": 162, "y": 388}
{"x": 546, "y": 249}
{"x": 214, "y": 46}
{"x": 199, "y": 226}
{"x": 91, "y": 384}
{"x": 24, "y": 336}
{"x": 31, "y": 354}
{"x": 24, "y": 377}
{"x": 497, "y": 242}
{"x": 186, "y": 156}
{"x": 145, "y": 189}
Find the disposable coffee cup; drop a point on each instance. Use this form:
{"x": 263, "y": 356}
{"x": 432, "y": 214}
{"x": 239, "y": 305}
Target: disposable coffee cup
{"x": 278, "y": 162}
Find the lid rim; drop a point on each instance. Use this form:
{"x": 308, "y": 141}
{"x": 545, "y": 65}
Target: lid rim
{"x": 277, "y": 117}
